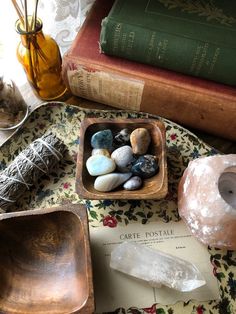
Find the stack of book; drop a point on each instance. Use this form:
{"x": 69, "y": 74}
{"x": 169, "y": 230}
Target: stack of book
{"x": 161, "y": 78}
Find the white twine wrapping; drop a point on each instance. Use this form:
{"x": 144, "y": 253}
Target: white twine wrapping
{"x": 52, "y": 149}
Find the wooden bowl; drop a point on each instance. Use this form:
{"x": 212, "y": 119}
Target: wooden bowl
{"x": 45, "y": 264}
{"x": 155, "y": 187}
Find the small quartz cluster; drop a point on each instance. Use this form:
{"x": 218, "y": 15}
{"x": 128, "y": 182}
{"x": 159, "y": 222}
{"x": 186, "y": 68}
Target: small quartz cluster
{"x": 121, "y": 159}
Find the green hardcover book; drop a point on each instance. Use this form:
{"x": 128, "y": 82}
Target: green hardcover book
{"x": 192, "y": 37}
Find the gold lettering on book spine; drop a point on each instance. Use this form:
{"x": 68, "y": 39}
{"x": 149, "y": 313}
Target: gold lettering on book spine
{"x": 201, "y": 8}
{"x": 214, "y": 60}
{"x": 116, "y": 37}
{"x": 107, "y": 88}
{"x": 199, "y": 59}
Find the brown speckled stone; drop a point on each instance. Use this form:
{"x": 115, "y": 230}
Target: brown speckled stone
{"x": 140, "y": 140}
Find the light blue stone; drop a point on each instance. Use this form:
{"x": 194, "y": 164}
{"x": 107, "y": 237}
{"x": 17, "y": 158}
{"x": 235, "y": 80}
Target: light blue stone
{"x": 99, "y": 164}
{"x": 102, "y": 139}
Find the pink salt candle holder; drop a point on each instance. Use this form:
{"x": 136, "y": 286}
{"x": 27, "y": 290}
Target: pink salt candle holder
{"x": 207, "y": 200}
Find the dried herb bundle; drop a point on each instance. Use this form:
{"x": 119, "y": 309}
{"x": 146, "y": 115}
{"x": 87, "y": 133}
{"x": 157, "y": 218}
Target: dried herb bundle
{"x": 39, "y": 158}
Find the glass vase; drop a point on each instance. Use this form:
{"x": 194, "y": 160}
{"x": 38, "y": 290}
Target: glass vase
{"x": 40, "y": 57}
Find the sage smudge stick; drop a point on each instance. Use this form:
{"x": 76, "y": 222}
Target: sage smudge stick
{"x": 39, "y": 158}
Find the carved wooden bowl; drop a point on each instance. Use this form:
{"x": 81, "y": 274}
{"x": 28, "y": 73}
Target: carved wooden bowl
{"x": 45, "y": 264}
{"x": 153, "y": 188}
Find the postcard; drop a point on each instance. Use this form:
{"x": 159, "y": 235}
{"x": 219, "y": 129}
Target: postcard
{"x": 114, "y": 289}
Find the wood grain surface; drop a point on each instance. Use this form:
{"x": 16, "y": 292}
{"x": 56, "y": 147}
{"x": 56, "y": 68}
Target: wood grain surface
{"x": 45, "y": 262}
{"x": 153, "y": 188}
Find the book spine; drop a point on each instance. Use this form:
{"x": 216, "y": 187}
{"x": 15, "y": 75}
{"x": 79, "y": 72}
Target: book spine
{"x": 170, "y": 51}
{"x": 107, "y": 87}
{"x": 197, "y": 108}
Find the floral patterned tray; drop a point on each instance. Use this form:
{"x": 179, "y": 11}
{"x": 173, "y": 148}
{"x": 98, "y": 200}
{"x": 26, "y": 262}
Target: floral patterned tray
{"x": 59, "y": 188}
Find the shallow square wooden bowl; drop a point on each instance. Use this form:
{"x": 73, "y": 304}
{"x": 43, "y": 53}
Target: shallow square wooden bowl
{"x": 155, "y": 187}
{"x": 45, "y": 263}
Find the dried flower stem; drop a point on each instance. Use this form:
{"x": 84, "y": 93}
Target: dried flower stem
{"x": 26, "y": 16}
{"x": 30, "y": 26}
{"x": 35, "y": 15}
{"x": 23, "y": 15}
{"x": 19, "y": 12}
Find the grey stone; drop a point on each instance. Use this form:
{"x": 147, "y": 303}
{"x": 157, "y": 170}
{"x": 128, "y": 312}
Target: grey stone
{"x": 134, "y": 183}
{"x": 122, "y": 156}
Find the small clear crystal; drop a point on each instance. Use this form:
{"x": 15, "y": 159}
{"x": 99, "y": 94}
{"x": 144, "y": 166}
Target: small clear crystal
{"x": 156, "y": 267}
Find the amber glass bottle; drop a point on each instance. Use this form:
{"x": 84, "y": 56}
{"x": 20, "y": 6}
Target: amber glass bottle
{"x": 40, "y": 56}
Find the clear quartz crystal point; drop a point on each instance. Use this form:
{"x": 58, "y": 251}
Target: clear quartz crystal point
{"x": 156, "y": 267}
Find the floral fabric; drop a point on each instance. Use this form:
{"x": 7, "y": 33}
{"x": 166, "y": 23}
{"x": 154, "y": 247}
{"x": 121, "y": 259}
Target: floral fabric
{"x": 59, "y": 188}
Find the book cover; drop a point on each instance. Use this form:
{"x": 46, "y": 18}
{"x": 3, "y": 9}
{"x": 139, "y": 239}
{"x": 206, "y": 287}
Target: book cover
{"x": 192, "y": 37}
{"x": 124, "y": 84}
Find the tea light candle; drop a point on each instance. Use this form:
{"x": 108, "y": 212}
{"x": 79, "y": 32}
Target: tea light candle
{"x": 207, "y": 200}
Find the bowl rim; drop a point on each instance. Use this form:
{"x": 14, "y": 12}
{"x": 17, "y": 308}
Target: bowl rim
{"x": 80, "y": 211}
{"x": 84, "y": 193}
{"x": 15, "y": 126}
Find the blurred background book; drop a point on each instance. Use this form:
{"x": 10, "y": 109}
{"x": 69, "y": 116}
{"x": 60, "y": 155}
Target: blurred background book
{"x": 191, "y": 37}
{"x": 124, "y": 84}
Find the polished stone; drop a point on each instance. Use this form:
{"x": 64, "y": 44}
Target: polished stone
{"x": 99, "y": 165}
{"x": 145, "y": 166}
{"x": 101, "y": 151}
{"x": 122, "y": 138}
{"x": 102, "y": 139}
{"x": 140, "y": 140}
{"x": 134, "y": 183}
{"x": 109, "y": 182}
{"x": 122, "y": 157}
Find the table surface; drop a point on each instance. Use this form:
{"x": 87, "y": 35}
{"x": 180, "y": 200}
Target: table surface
{"x": 223, "y": 145}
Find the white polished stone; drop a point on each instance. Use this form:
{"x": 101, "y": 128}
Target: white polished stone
{"x": 122, "y": 156}
{"x": 109, "y": 182}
